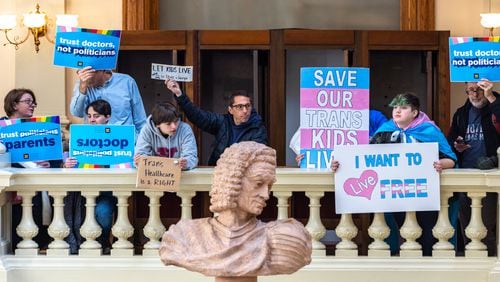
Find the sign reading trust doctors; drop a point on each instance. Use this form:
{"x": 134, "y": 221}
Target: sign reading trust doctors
{"x": 82, "y": 47}
{"x": 474, "y": 58}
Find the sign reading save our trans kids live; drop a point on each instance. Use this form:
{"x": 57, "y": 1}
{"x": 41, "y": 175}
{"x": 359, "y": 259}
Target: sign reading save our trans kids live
{"x": 474, "y": 58}
{"x": 32, "y": 139}
{"x": 102, "y": 145}
{"x": 386, "y": 178}
{"x": 333, "y": 111}
{"x": 82, "y": 47}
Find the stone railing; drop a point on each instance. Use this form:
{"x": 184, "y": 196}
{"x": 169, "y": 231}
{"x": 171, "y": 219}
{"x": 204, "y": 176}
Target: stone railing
{"x": 28, "y": 263}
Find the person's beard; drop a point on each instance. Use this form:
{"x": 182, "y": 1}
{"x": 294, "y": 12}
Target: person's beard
{"x": 479, "y": 104}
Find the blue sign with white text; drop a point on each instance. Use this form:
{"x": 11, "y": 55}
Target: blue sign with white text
{"x": 32, "y": 139}
{"x": 82, "y": 47}
{"x": 104, "y": 145}
{"x": 474, "y": 58}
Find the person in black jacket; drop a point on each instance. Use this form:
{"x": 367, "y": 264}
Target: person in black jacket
{"x": 475, "y": 137}
{"x": 241, "y": 123}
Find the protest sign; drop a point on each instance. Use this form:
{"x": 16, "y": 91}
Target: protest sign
{"x": 334, "y": 110}
{"x": 387, "y": 178}
{"x": 81, "y": 47}
{"x": 474, "y": 58}
{"x": 177, "y": 73}
{"x": 158, "y": 173}
{"x": 102, "y": 145}
{"x": 32, "y": 139}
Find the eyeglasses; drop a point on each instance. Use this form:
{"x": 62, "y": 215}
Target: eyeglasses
{"x": 471, "y": 91}
{"x": 28, "y": 102}
{"x": 240, "y": 107}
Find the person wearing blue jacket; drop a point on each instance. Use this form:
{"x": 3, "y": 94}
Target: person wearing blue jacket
{"x": 241, "y": 123}
{"x": 165, "y": 135}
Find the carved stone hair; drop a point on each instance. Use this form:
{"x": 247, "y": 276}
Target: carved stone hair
{"x": 230, "y": 169}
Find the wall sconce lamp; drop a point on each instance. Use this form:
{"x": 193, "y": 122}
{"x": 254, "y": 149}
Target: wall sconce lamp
{"x": 490, "y": 21}
{"x": 37, "y": 23}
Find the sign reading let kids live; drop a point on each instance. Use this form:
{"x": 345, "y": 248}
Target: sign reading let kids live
{"x": 333, "y": 111}
{"x": 32, "y": 139}
{"x": 386, "y": 178}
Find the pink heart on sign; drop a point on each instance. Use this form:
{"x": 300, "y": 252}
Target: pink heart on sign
{"x": 362, "y": 186}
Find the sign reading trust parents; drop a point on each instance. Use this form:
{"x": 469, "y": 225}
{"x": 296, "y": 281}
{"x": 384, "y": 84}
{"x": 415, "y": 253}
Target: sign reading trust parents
{"x": 32, "y": 139}
{"x": 334, "y": 110}
{"x": 387, "y": 178}
{"x": 102, "y": 145}
{"x": 474, "y": 58}
{"x": 82, "y": 47}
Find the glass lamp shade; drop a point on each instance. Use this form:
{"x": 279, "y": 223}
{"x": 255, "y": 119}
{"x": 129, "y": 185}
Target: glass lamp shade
{"x": 33, "y": 20}
{"x": 67, "y": 20}
{"x": 7, "y": 21}
{"x": 490, "y": 20}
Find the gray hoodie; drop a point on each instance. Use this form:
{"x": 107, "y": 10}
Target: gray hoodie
{"x": 182, "y": 144}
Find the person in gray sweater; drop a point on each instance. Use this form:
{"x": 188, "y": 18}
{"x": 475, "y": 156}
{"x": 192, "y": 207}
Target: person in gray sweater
{"x": 165, "y": 135}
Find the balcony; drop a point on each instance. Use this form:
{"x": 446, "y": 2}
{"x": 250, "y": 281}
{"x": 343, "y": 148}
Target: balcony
{"x": 344, "y": 260}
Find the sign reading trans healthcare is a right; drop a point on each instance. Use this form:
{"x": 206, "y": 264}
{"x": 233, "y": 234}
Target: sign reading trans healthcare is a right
{"x": 474, "y": 58}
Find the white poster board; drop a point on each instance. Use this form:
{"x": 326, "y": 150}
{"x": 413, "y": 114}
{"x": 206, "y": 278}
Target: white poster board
{"x": 387, "y": 178}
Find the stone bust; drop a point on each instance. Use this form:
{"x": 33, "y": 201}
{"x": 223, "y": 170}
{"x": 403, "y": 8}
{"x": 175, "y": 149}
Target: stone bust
{"x": 235, "y": 243}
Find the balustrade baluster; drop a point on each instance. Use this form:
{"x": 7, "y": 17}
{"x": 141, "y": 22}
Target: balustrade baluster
{"x": 476, "y": 231}
{"x": 411, "y": 231}
{"x": 122, "y": 229}
{"x": 90, "y": 229}
{"x": 27, "y": 229}
{"x": 379, "y": 230}
{"x": 314, "y": 224}
{"x": 186, "y": 203}
{"x": 346, "y": 231}
{"x": 58, "y": 229}
{"x": 282, "y": 203}
{"x": 443, "y": 230}
{"x": 154, "y": 228}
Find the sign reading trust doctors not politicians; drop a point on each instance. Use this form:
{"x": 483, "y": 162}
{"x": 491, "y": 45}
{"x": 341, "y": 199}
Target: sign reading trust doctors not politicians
{"x": 32, "y": 139}
{"x": 474, "y": 58}
{"x": 82, "y": 47}
{"x": 334, "y": 110}
{"x": 387, "y": 178}
{"x": 102, "y": 145}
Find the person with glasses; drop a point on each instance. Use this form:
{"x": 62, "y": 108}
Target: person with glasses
{"x": 241, "y": 123}
{"x": 21, "y": 103}
{"x": 475, "y": 137}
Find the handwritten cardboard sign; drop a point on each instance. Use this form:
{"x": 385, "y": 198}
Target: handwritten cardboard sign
{"x": 387, "y": 178}
{"x": 32, "y": 139}
{"x": 177, "y": 73}
{"x": 158, "y": 173}
{"x": 334, "y": 110}
{"x": 81, "y": 47}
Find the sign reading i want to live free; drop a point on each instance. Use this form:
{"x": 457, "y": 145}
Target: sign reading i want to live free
{"x": 334, "y": 110}
{"x": 82, "y": 47}
{"x": 474, "y": 58}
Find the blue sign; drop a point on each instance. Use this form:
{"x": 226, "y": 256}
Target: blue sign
{"x": 82, "y": 47}
{"x": 474, "y": 58}
{"x": 32, "y": 139}
{"x": 102, "y": 145}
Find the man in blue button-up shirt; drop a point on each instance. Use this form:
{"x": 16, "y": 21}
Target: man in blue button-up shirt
{"x": 119, "y": 90}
